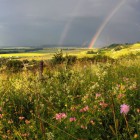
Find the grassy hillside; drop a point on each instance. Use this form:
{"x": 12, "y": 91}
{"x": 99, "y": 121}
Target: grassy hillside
{"x": 116, "y": 51}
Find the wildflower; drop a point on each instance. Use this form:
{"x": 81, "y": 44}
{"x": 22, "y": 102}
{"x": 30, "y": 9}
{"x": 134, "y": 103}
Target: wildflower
{"x": 122, "y": 87}
{"x": 92, "y": 122}
{"x": 4, "y": 137}
{"x": 63, "y": 115}
{"x": 135, "y": 136}
{"x": 97, "y": 95}
{"x": 84, "y": 109}
{"x": 83, "y": 127}
{"x": 125, "y": 109}
{"x": 27, "y": 122}
{"x": 8, "y": 131}
{"x": 73, "y": 108}
{"x": 10, "y": 121}
{"x": 103, "y": 104}
{"x": 138, "y": 110}
{"x": 25, "y": 135}
{"x": 50, "y": 136}
{"x": 59, "y": 116}
{"x": 72, "y": 119}
{"x": 1, "y": 116}
{"x": 21, "y": 118}
{"x": 120, "y": 96}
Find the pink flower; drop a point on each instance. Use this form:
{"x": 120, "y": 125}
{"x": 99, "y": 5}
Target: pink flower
{"x": 1, "y": 116}
{"x": 125, "y": 109}
{"x": 59, "y": 116}
{"x": 63, "y": 115}
{"x": 103, "y": 104}
{"x": 83, "y": 127}
{"x": 21, "y": 118}
{"x": 120, "y": 96}
{"x": 92, "y": 122}
{"x": 97, "y": 95}
{"x": 138, "y": 110}
{"x": 84, "y": 109}
{"x": 27, "y": 121}
{"x": 72, "y": 119}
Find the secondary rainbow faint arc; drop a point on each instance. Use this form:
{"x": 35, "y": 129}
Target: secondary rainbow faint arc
{"x": 101, "y": 28}
{"x": 69, "y": 23}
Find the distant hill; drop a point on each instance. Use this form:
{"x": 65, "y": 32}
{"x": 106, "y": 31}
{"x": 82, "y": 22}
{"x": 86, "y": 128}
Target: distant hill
{"x": 122, "y": 46}
{"x": 117, "y": 50}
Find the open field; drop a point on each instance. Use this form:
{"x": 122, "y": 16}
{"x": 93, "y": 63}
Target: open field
{"x": 44, "y": 53}
{"x": 47, "y": 53}
{"x": 69, "y": 98}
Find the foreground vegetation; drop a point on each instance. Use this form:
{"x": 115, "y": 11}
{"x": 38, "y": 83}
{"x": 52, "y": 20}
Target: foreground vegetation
{"x": 95, "y": 98}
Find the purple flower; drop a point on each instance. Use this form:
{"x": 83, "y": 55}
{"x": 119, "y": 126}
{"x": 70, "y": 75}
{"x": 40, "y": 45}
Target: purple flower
{"x": 125, "y": 109}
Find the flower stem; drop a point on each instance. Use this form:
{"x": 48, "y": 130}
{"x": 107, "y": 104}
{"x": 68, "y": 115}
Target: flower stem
{"x": 127, "y": 126}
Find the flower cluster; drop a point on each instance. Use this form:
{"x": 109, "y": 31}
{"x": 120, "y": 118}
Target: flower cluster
{"x": 60, "y": 116}
{"x": 103, "y": 104}
{"x": 72, "y": 119}
{"x": 84, "y": 109}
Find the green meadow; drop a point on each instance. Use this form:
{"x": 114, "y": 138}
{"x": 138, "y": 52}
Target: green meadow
{"x": 47, "y": 53}
{"x": 74, "y": 94}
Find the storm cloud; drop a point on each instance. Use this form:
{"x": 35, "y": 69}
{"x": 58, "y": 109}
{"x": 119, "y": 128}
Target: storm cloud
{"x": 67, "y": 22}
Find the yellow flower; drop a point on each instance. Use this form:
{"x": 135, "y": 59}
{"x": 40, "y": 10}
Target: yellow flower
{"x": 136, "y": 136}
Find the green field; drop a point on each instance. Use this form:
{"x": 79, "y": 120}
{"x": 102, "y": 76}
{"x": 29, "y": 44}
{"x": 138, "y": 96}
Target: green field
{"x": 47, "y": 53}
{"x": 44, "y": 54}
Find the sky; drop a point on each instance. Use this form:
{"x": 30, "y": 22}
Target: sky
{"x": 68, "y": 22}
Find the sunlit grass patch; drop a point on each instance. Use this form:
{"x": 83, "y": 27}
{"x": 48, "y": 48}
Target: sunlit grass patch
{"x": 135, "y": 46}
{"x": 123, "y": 52}
{"x": 21, "y": 54}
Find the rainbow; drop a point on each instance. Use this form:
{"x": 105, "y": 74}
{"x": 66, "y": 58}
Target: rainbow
{"x": 105, "y": 22}
{"x": 69, "y": 23}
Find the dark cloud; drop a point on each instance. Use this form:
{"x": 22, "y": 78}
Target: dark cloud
{"x": 82, "y": 30}
{"x": 37, "y": 22}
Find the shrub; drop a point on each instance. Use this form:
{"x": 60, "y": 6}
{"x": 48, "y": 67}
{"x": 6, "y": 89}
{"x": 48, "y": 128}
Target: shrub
{"x": 70, "y": 59}
{"x": 118, "y": 48}
{"x": 91, "y": 52}
{"x": 33, "y": 62}
{"x": 98, "y": 58}
{"x": 2, "y": 61}
{"x": 58, "y": 57}
{"x": 102, "y": 58}
{"x": 14, "y": 65}
{"x": 25, "y": 61}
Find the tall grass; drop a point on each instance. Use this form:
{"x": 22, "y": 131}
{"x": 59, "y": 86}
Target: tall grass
{"x": 80, "y": 102}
